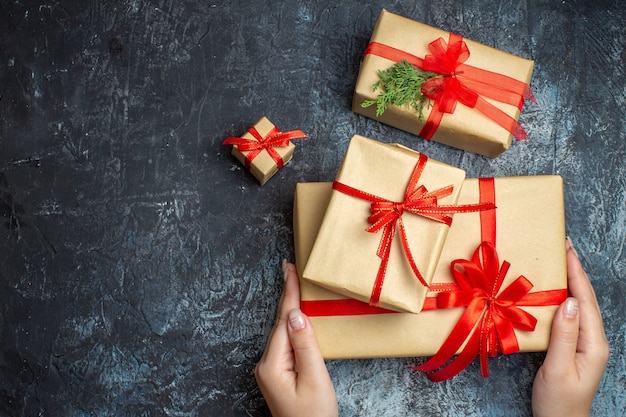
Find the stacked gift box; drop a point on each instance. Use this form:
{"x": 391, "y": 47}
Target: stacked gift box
{"x": 492, "y": 286}
{"x": 402, "y": 255}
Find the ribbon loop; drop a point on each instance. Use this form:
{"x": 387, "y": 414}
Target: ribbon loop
{"x": 446, "y": 58}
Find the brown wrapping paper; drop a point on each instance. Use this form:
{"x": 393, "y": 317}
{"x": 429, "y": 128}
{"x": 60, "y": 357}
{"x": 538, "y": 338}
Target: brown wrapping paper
{"x": 263, "y": 167}
{"x": 466, "y": 128}
{"x": 530, "y": 235}
{"x": 344, "y": 256}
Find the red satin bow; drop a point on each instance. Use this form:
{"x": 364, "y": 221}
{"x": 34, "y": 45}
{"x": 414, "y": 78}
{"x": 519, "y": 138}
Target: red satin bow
{"x": 387, "y": 215}
{"x": 274, "y": 138}
{"x": 460, "y": 83}
{"x": 444, "y": 60}
{"x": 491, "y": 314}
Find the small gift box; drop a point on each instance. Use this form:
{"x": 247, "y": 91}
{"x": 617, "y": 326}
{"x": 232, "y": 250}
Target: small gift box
{"x": 442, "y": 87}
{"x": 385, "y": 225}
{"x": 528, "y": 231}
{"x": 264, "y": 149}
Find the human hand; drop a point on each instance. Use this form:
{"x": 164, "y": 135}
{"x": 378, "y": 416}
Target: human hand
{"x": 567, "y": 381}
{"x": 291, "y": 373}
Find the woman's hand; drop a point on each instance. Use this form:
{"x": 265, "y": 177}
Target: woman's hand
{"x": 578, "y": 352}
{"x": 291, "y": 373}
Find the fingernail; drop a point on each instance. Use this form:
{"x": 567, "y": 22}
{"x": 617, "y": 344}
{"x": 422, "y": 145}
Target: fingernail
{"x": 296, "y": 319}
{"x": 285, "y": 269}
{"x": 571, "y": 308}
{"x": 570, "y": 245}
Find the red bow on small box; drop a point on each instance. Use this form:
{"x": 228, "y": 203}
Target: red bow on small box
{"x": 460, "y": 83}
{"x": 274, "y": 138}
{"x": 387, "y": 215}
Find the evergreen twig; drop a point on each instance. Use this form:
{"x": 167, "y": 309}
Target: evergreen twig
{"x": 401, "y": 85}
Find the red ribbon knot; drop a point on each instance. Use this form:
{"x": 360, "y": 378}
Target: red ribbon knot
{"x": 273, "y": 139}
{"x": 386, "y": 215}
{"x": 445, "y": 60}
{"x": 490, "y": 316}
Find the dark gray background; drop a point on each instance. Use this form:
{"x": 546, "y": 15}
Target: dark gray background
{"x": 140, "y": 264}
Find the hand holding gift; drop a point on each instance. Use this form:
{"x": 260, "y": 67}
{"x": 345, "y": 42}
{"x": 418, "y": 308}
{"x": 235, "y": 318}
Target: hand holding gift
{"x": 291, "y": 373}
{"x": 568, "y": 380}
{"x": 564, "y": 386}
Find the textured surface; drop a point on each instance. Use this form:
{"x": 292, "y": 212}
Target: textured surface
{"x": 139, "y": 263}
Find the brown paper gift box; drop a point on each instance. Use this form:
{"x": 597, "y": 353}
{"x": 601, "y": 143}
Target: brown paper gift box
{"x": 466, "y": 128}
{"x": 263, "y": 167}
{"x": 344, "y": 258}
{"x": 530, "y": 235}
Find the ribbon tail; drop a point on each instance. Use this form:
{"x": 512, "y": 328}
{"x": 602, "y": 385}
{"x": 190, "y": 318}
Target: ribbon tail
{"x": 487, "y": 344}
{"x": 384, "y": 249}
{"x": 506, "y": 336}
{"x": 409, "y": 256}
{"x": 464, "y": 327}
{"x": 432, "y": 123}
{"x": 462, "y": 361}
{"x": 501, "y": 118}
{"x": 528, "y": 94}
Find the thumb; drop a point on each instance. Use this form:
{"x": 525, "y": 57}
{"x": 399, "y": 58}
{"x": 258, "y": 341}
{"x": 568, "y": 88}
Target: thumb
{"x": 309, "y": 361}
{"x": 564, "y": 337}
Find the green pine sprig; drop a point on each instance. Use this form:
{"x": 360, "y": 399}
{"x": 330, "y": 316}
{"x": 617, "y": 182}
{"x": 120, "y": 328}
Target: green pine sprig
{"x": 401, "y": 85}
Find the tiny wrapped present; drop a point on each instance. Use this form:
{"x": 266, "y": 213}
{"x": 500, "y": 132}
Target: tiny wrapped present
{"x": 527, "y": 230}
{"x": 471, "y": 95}
{"x": 385, "y": 225}
{"x": 264, "y": 149}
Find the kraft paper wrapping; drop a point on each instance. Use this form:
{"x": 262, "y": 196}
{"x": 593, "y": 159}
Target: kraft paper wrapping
{"x": 530, "y": 235}
{"x": 344, "y": 257}
{"x": 466, "y": 128}
{"x": 263, "y": 167}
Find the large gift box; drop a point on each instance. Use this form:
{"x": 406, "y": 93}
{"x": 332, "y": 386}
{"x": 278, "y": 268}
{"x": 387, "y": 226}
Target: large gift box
{"x": 473, "y": 101}
{"x": 528, "y": 233}
{"x": 385, "y": 225}
{"x": 264, "y": 149}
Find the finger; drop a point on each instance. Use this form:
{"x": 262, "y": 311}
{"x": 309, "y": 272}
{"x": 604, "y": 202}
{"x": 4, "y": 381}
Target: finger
{"x": 593, "y": 346}
{"x": 576, "y": 271}
{"x": 308, "y": 356}
{"x": 291, "y": 292}
{"x": 279, "y": 350}
{"x": 581, "y": 288}
{"x": 563, "y": 338}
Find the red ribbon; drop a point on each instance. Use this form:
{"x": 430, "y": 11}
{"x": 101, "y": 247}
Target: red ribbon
{"x": 460, "y": 83}
{"x": 386, "y": 215}
{"x": 274, "y": 138}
